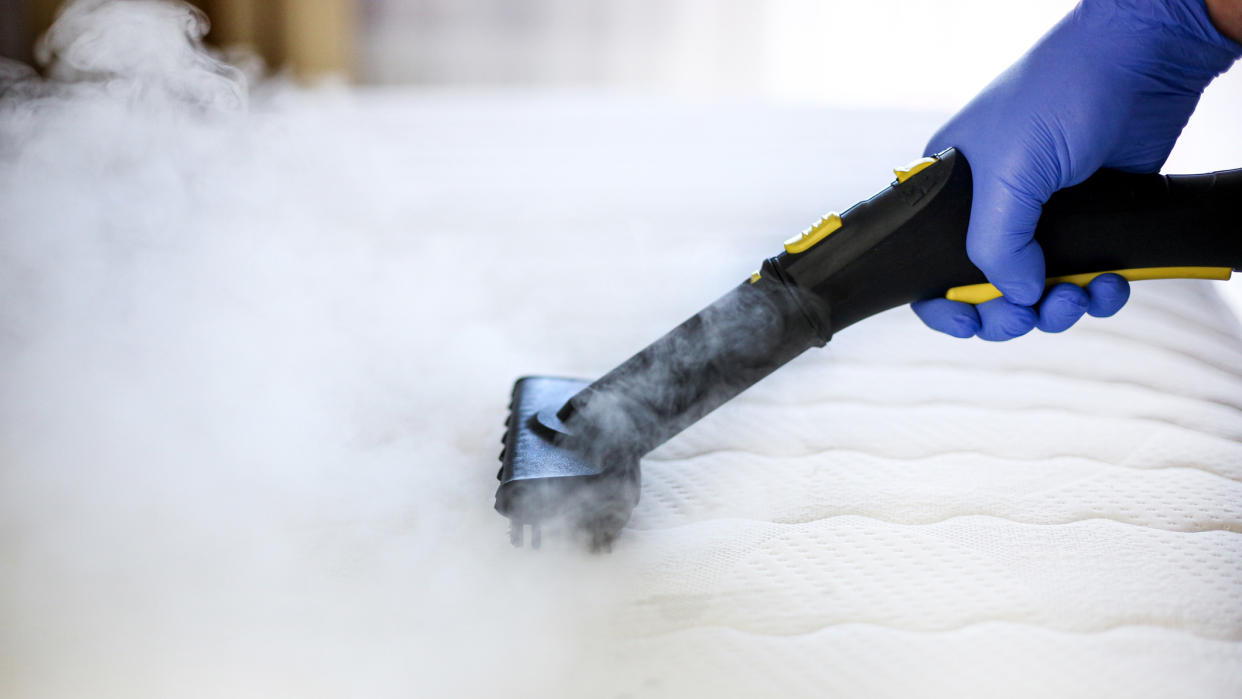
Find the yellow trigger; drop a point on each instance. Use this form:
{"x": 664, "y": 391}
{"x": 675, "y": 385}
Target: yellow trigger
{"x": 981, "y": 293}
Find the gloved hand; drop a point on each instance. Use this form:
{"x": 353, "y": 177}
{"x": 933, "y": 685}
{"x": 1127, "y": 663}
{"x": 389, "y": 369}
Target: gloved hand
{"x": 1112, "y": 85}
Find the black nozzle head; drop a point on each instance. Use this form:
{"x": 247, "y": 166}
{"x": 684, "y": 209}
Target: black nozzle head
{"x": 549, "y": 474}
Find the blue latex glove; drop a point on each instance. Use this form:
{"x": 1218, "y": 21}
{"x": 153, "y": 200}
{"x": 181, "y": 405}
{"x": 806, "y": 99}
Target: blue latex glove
{"x": 1112, "y": 85}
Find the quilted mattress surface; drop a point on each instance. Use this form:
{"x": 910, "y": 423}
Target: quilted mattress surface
{"x": 907, "y": 518}
{"x": 255, "y": 375}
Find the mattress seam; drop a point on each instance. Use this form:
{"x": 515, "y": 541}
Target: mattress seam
{"x": 1110, "y": 628}
{"x": 787, "y": 523}
{"x": 1027, "y": 369}
{"x": 958, "y": 452}
{"x": 996, "y": 408}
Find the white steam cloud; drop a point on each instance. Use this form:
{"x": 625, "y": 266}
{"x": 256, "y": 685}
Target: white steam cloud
{"x": 140, "y": 45}
{"x": 248, "y": 411}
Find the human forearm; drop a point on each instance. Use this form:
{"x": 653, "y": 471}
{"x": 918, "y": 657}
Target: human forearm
{"x": 1227, "y": 16}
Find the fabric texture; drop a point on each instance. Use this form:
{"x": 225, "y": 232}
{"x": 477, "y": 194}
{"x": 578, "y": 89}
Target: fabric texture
{"x": 890, "y": 517}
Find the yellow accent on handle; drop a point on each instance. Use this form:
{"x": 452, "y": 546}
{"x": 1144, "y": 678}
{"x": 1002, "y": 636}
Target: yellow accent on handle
{"x": 755, "y": 276}
{"x": 817, "y": 232}
{"x": 914, "y": 168}
{"x": 980, "y": 293}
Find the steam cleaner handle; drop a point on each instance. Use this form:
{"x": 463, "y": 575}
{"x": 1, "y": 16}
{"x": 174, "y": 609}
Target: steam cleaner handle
{"x": 906, "y": 243}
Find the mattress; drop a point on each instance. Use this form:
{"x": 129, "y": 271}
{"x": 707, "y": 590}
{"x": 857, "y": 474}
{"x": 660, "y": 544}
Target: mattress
{"x": 888, "y": 517}
{"x": 255, "y": 370}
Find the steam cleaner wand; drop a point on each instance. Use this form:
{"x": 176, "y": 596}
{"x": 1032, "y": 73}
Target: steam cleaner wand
{"x": 572, "y": 448}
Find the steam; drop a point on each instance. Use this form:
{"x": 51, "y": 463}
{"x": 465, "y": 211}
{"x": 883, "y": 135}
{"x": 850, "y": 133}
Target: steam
{"x": 140, "y": 45}
{"x": 248, "y": 408}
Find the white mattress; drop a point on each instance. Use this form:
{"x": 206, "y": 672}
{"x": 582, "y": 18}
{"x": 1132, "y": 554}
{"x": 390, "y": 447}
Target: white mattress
{"x": 256, "y": 368}
{"x": 1054, "y": 517}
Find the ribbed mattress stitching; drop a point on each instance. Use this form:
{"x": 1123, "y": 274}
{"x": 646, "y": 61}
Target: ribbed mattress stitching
{"x": 923, "y": 523}
{"x": 956, "y": 452}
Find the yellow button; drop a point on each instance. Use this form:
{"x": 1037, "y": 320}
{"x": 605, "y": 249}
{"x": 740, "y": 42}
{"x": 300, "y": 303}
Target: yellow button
{"x": 914, "y": 168}
{"x": 755, "y": 276}
{"x": 803, "y": 241}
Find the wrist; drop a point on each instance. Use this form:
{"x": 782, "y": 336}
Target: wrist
{"x": 1227, "y": 17}
{"x": 1181, "y": 35}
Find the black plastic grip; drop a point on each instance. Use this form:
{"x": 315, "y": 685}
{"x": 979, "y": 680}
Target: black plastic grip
{"x": 1117, "y": 220}
{"x": 908, "y": 242}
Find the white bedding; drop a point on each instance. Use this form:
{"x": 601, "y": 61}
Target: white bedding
{"x": 256, "y": 368}
{"x": 888, "y": 518}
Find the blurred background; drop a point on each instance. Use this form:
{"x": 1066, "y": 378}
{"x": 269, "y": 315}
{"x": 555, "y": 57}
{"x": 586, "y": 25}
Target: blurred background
{"x": 890, "y": 53}
{"x": 879, "y": 53}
